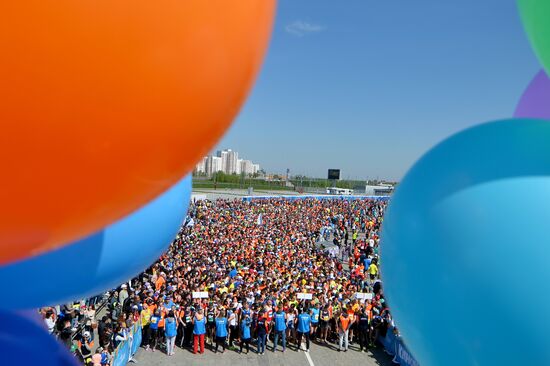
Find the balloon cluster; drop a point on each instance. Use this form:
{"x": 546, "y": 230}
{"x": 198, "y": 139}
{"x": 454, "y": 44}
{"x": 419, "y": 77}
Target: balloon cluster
{"x": 465, "y": 240}
{"x": 105, "y": 107}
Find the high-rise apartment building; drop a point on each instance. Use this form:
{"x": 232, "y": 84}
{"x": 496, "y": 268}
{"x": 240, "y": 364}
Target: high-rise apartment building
{"x": 201, "y": 166}
{"x": 247, "y": 167}
{"x": 226, "y": 161}
{"x": 213, "y": 165}
{"x": 232, "y": 158}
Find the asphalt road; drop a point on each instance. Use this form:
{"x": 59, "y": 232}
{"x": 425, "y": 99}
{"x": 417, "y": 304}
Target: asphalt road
{"x": 319, "y": 355}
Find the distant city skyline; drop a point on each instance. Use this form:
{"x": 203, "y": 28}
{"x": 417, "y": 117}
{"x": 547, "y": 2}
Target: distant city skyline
{"x": 282, "y": 172}
{"x": 226, "y": 161}
{"x": 370, "y": 86}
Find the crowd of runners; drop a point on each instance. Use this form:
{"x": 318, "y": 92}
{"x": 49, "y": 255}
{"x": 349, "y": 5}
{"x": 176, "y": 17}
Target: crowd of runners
{"x": 270, "y": 283}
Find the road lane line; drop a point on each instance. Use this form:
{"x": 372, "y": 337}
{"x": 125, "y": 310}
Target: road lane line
{"x": 307, "y": 355}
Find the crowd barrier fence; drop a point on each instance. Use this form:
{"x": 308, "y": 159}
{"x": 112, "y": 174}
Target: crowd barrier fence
{"x": 128, "y": 348}
{"x": 318, "y": 197}
{"x": 395, "y": 347}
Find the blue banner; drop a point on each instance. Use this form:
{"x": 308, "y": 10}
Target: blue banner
{"x": 128, "y": 348}
{"x": 122, "y": 354}
{"x": 137, "y": 338}
{"x": 394, "y": 346}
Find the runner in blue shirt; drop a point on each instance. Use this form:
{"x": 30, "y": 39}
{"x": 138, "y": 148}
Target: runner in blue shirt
{"x": 221, "y": 331}
{"x": 303, "y": 322}
{"x": 315, "y": 312}
{"x": 279, "y": 323}
{"x": 154, "y": 329}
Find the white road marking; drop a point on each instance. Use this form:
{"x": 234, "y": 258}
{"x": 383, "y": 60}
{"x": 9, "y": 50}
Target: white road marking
{"x": 307, "y": 355}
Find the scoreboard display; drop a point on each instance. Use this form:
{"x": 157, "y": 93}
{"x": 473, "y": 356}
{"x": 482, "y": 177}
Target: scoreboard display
{"x": 334, "y": 174}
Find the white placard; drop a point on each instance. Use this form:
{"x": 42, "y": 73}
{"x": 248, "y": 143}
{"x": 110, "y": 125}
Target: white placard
{"x": 364, "y": 295}
{"x": 304, "y": 296}
{"x": 200, "y": 295}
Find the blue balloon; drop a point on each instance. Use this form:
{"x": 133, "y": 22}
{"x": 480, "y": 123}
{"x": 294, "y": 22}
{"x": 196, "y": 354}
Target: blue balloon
{"x": 101, "y": 261}
{"x": 23, "y": 342}
{"x": 466, "y": 248}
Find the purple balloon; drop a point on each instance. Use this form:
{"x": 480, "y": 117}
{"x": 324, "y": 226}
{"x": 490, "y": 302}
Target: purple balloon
{"x": 535, "y": 101}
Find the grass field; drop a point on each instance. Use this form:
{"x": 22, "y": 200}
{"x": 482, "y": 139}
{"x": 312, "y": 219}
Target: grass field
{"x": 256, "y": 185}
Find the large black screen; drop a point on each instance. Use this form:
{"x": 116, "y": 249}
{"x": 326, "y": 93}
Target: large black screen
{"x": 334, "y": 174}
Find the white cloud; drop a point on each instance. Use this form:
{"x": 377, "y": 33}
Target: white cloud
{"x": 301, "y": 28}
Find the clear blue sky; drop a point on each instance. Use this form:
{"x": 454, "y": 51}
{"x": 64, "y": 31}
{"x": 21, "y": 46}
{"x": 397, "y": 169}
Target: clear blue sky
{"x": 368, "y": 86}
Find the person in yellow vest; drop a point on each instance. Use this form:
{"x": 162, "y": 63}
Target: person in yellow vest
{"x": 373, "y": 271}
{"x": 145, "y": 317}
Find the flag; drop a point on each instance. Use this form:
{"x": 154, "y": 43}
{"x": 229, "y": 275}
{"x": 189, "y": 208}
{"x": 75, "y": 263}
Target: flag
{"x": 259, "y": 222}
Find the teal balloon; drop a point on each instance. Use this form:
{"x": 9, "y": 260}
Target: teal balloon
{"x": 466, "y": 248}
{"x": 101, "y": 261}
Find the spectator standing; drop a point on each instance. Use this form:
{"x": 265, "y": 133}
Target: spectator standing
{"x": 49, "y": 320}
{"x": 123, "y": 294}
{"x": 315, "y": 313}
{"x": 85, "y": 346}
{"x": 145, "y": 317}
{"x": 343, "y": 330}
{"x": 154, "y": 329}
{"x": 304, "y": 328}
{"x": 279, "y": 326}
{"x": 363, "y": 330}
{"x": 170, "y": 330}
{"x": 199, "y": 329}
{"x": 261, "y": 331}
{"x": 221, "y": 331}
{"x": 246, "y": 322}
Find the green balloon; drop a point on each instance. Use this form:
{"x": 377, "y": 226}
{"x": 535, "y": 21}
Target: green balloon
{"x": 536, "y": 20}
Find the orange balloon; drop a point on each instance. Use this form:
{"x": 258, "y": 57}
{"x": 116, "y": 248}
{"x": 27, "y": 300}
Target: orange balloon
{"x": 105, "y": 104}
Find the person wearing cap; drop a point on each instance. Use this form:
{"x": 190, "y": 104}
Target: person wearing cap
{"x": 303, "y": 328}
{"x": 86, "y": 345}
{"x": 123, "y": 294}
